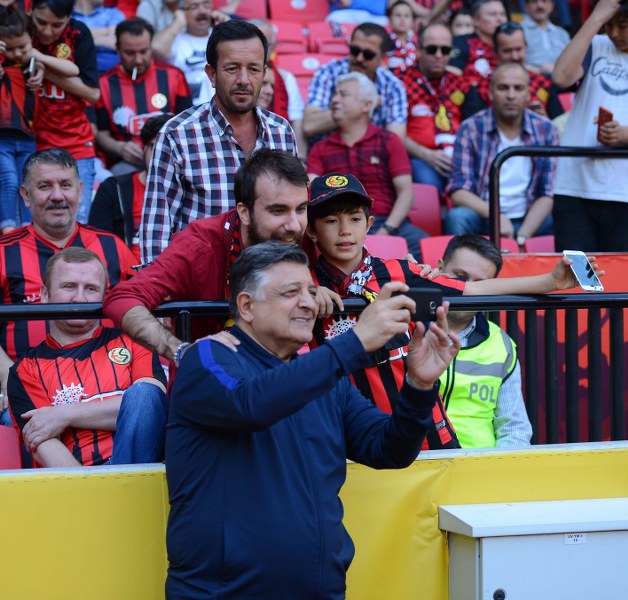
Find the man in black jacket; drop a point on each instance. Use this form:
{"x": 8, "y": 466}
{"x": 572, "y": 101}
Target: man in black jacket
{"x": 118, "y": 203}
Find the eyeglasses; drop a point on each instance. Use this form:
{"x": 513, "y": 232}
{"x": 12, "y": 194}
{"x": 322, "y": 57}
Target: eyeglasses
{"x": 356, "y": 51}
{"x": 432, "y": 49}
{"x": 197, "y": 5}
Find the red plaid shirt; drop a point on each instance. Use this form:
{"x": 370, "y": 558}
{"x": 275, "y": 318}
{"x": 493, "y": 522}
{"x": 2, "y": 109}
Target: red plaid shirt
{"x": 474, "y": 57}
{"x": 434, "y": 107}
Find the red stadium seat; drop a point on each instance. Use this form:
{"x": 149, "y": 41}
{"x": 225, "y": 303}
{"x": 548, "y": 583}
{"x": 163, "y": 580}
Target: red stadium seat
{"x": 330, "y": 38}
{"x": 301, "y": 11}
{"x": 433, "y": 248}
{"x": 10, "y": 448}
{"x": 248, "y": 9}
{"x": 387, "y": 246}
{"x": 290, "y": 37}
{"x": 425, "y": 212}
{"x": 302, "y": 66}
{"x": 540, "y": 243}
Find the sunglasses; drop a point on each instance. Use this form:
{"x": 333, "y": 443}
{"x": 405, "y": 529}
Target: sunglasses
{"x": 356, "y": 51}
{"x": 432, "y": 49}
{"x": 508, "y": 28}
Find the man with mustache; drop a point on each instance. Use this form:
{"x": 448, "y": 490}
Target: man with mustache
{"x": 271, "y": 192}
{"x": 198, "y": 152}
{"x": 52, "y": 191}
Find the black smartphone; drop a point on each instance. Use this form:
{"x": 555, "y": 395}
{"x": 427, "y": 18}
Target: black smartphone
{"x": 427, "y": 300}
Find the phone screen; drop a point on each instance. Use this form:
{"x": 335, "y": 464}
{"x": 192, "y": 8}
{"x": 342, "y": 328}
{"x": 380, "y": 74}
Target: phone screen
{"x": 584, "y": 272}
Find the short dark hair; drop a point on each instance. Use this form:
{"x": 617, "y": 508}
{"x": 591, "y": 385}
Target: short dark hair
{"x": 340, "y": 205}
{"x": 460, "y": 11}
{"x": 369, "y": 29}
{"x": 622, "y": 11}
{"x": 425, "y": 29}
{"x": 50, "y": 156}
{"x": 475, "y": 7}
{"x": 59, "y": 8}
{"x": 13, "y": 22}
{"x": 395, "y": 5}
{"x": 72, "y": 255}
{"x": 134, "y": 26}
{"x": 247, "y": 272}
{"x": 285, "y": 165}
{"x": 229, "y": 31}
{"x": 153, "y": 125}
{"x": 476, "y": 243}
{"x": 507, "y": 29}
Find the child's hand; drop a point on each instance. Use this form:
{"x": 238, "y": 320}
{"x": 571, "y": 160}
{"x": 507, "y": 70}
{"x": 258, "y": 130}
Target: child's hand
{"x": 37, "y": 80}
{"x": 325, "y": 299}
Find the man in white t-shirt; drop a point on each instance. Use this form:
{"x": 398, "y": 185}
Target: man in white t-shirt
{"x": 525, "y": 183}
{"x": 591, "y": 209}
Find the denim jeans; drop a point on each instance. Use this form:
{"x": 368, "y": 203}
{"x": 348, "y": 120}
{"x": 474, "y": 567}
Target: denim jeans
{"x": 461, "y": 220}
{"x": 87, "y": 173}
{"x": 140, "y": 426}
{"x": 424, "y": 173}
{"x": 13, "y": 154}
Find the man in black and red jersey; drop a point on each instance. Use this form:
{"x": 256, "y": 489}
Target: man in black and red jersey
{"x": 87, "y": 395}
{"x": 133, "y": 91}
{"x": 61, "y": 120}
{"x": 52, "y": 191}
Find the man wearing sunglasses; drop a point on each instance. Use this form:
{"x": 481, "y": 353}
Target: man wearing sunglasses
{"x": 510, "y": 46}
{"x": 435, "y": 97}
{"x": 367, "y": 50}
{"x": 473, "y": 55}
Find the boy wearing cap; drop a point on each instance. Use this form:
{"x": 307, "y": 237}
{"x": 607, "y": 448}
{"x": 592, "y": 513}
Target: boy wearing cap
{"x": 338, "y": 221}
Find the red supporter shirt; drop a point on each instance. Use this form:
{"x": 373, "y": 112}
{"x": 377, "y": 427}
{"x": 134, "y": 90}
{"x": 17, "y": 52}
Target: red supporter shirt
{"x": 434, "y": 107}
{"x": 474, "y": 57}
{"x": 23, "y": 257}
{"x": 17, "y": 102}
{"x": 376, "y": 159}
{"x": 61, "y": 121}
{"x": 125, "y": 105}
{"x": 539, "y": 89}
{"x": 91, "y": 370}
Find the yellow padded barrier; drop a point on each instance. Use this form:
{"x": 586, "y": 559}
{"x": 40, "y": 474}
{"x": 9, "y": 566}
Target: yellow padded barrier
{"x": 100, "y": 533}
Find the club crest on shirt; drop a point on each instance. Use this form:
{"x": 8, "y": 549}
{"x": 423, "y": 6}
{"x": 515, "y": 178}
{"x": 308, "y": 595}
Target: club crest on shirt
{"x": 159, "y": 100}
{"x": 63, "y": 51}
{"x": 70, "y": 394}
{"x": 119, "y": 356}
{"x": 340, "y": 326}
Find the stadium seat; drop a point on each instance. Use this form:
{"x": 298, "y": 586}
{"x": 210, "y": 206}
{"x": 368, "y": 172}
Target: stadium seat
{"x": 540, "y": 243}
{"x": 302, "y": 66}
{"x": 290, "y": 37}
{"x": 425, "y": 212}
{"x": 10, "y": 448}
{"x": 433, "y": 248}
{"x": 387, "y": 246}
{"x": 330, "y": 38}
{"x": 248, "y": 9}
{"x": 301, "y": 11}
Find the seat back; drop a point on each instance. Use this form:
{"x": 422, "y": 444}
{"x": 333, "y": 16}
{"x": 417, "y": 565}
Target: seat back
{"x": 302, "y": 66}
{"x": 330, "y": 38}
{"x": 248, "y": 9}
{"x": 10, "y": 448}
{"x": 540, "y": 243}
{"x": 301, "y": 11}
{"x": 387, "y": 246}
{"x": 425, "y": 212}
{"x": 290, "y": 37}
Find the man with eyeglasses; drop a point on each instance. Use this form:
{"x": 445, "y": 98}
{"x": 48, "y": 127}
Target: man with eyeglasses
{"x": 367, "y": 51}
{"x": 473, "y": 54}
{"x": 189, "y": 46}
{"x": 510, "y": 46}
{"x": 435, "y": 97}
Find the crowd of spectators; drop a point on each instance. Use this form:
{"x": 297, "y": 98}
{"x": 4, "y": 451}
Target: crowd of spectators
{"x": 158, "y": 123}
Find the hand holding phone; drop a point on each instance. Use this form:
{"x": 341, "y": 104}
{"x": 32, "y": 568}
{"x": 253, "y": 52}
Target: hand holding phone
{"x": 427, "y": 300}
{"x": 604, "y": 116}
{"x": 584, "y": 271}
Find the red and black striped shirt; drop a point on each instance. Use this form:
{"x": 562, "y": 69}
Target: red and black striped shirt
{"x": 61, "y": 121}
{"x": 92, "y": 370}
{"x": 17, "y": 102}
{"x": 125, "y": 105}
{"x": 382, "y": 381}
{"x": 23, "y": 257}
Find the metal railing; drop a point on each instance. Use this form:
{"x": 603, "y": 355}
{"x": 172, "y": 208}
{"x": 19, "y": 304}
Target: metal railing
{"x": 536, "y": 151}
{"x": 558, "y": 406}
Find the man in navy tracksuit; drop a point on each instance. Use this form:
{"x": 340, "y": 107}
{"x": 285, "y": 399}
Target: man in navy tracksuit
{"x": 258, "y": 439}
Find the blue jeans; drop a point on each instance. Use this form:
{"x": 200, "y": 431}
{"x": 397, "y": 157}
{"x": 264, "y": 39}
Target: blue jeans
{"x": 140, "y": 426}
{"x": 424, "y": 173}
{"x": 13, "y": 154}
{"x": 409, "y": 232}
{"x": 464, "y": 220}
{"x": 87, "y": 173}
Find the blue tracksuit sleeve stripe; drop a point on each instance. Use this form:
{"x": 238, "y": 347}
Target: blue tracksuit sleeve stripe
{"x": 206, "y": 355}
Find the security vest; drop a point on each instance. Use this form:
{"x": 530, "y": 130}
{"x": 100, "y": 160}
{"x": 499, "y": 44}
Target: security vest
{"x": 471, "y": 384}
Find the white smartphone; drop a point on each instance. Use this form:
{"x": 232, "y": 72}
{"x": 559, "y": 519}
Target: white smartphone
{"x": 583, "y": 271}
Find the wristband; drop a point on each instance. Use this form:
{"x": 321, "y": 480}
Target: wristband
{"x": 390, "y": 229}
{"x": 178, "y": 355}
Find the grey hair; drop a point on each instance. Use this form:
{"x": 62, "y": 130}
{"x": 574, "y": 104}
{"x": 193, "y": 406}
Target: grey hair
{"x": 248, "y": 273}
{"x": 368, "y": 91}
{"x": 50, "y": 156}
